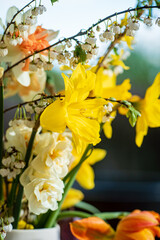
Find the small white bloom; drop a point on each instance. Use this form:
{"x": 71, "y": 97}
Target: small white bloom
{"x": 4, "y": 172}
{"x": 148, "y": 21}
{"x": 42, "y": 9}
{"x": 6, "y": 161}
{"x": 158, "y": 21}
{"x": 130, "y": 33}
{"x": 101, "y": 38}
{"x": 10, "y": 219}
{"x": 35, "y": 11}
{"x": 23, "y": 27}
{"x": 89, "y": 56}
{"x": 19, "y": 40}
{"x": 108, "y": 35}
{"x": 91, "y": 40}
{"x": 3, "y": 49}
{"x": 133, "y": 25}
{"x": 94, "y": 51}
{"x": 116, "y": 29}
{"x": 67, "y": 54}
{"x": 13, "y": 42}
{"x": 98, "y": 29}
{"x": 8, "y": 228}
{"x": 87, "y": 47}
{"x": 33, "y": 67}
{"x": 29, "y": 108}
{"x": 31, "y": 20}
{"x": 59, "y": 48}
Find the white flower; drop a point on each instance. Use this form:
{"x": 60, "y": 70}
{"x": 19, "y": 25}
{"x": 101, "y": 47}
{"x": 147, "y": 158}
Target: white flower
{"x": 148, "y": 21}
{"x": 48, "y": 66}
{"x": 42, "y": 193}
{"x": 101, "y": 38}
{"x": 55, "y": 157}
{"x": 87, "y": 47}
{"x": 13, "y": 41}
{"x": 23, "y": 27}
{"x": 91, "y": 40}
{"x": 130, "y": 33}
{"x": 6, "y": 161}
{"x": 108, "y": 35}
{"x": 133, "y": 25}
{"x": 4, "y": 172}
{"x": 42, "y": 9}
{"x": 158, "y": 21}
{"x": 8, "y": 228}
{"x": 116, "y": 29}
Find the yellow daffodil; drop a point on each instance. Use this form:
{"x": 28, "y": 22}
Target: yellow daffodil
{"x": 73, "y": 197}
{"x": 79, "y": 114}
{"x": 85, "y": 175}
{"x": 149, "y": 108}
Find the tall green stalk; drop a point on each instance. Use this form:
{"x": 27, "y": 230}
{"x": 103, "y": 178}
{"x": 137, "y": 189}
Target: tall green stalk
{"x": 1, "y": 135}
{"x": 17, "y": 205}
{"x": 53, "y": 216}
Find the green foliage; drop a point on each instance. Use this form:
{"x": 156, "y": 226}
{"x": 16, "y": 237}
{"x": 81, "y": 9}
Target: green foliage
{"x": 80, "y": 53}
{"x": 132, "y": 115}
{"x": 53, "y": 1}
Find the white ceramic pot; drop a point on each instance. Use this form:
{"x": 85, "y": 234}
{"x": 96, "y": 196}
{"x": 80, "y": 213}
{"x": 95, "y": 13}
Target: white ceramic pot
{"x": 35, "y": 234}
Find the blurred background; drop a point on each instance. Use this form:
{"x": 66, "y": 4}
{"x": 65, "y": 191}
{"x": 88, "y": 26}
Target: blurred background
{"x": 129, "y": 177}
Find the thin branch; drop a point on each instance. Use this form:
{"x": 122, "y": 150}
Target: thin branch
{"x": 80, "y": 33}
{"x": 15, "y": 15}
{"x": 121, "y": 102}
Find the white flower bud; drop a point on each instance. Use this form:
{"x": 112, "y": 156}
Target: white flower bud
{"x": 53, "y": 55}
{"x": 87, "y": 47}
{"x": 94, "y": 51}
{"x": 29, "y": 123}
{"x": 67, "y": 54}
{"x": 133, "y": 25}
{"x": 4, "y": 172}
{"x": 91, "y": 40}
{"x": 118, "y": 70}
{"x": 24, "y": 35}
{"x": 23, "y": 27}
{"x": 29, "y": 108}
{"x": 59, "y": 48}
{"x": 8, "y": 228}
{"x": 108, "y": 35}
{"x": 130, "y": 33}
{"x": 89, "y": 56}
{"x": 31, "y": 20}
{"x": 6, "y": 161}
{"x": 10, "y": 219}
{"x": 3, "y": 49}
{"x": 158, "y": 21}
{"x": 19, "y": 40}
{"x": 40, "y": 64}
{"x": 116, "y": 29}
{"x": 13, "y": 42}
{"x": 42, "y": 9}
{"x": 148, "y": 21}
{"x": 35, "y": 11}
{"x": 101, "y": 38}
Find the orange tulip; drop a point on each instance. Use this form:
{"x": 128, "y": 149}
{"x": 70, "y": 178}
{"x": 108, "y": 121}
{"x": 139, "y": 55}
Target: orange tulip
{"x": 92, "y": 228}
{"x": 139, "y": 225}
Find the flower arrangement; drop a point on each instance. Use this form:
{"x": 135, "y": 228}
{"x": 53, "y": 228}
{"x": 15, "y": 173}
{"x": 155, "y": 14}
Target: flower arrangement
{"x": 50, "y": 141}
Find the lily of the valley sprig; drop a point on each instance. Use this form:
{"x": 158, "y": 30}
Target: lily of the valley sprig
{"x": 49, "y": 144}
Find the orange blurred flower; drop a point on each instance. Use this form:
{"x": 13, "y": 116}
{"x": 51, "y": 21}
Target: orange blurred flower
{"x": 139, "y": 225}
{"x": 92, "y": 228}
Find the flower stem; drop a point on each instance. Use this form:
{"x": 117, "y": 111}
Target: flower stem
{"x": 68, "y": 214}
{"x": 53, "y": 216}
{"x": 1, "y": 135}
{"x": 111, "y": 215}
{"x": 17, "y": 206}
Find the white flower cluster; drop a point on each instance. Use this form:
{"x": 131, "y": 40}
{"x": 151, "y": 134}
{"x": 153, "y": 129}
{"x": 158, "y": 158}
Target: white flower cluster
{"x": 12, "y": 164}
{"x": 107, "y": 109}
{"x": 42, "y": 182}
{"x": 5, "y": 226}
{"x": 36, "y": 107}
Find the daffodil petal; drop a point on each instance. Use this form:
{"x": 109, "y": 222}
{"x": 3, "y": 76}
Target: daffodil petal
{"x": 141, "y": 129}
{"x": 85, "y": 176}
{"x": 153, "y": 91}
{"x": 96, "y": 156}
{"x": 73, "y": 197}
{"x": 53, "y": 117}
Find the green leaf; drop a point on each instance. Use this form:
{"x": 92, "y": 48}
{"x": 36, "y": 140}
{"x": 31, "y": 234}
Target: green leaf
{"x": 53, "y": 1}
{"x": 80, "y": 53}
{"x": 132, "y": 115}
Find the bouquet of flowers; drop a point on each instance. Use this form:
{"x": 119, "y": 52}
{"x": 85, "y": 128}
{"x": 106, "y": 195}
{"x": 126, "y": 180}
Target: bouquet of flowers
{"x": 50, "y": 142}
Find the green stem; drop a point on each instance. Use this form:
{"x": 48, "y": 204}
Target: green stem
{"x": 111, "y": 215}
{"x": 71, "y": 214}
{"x": 1, "y": 135}
{"x": 17, "y": 206}
{"x": 53, "y": 216}
{"x": 88, "y": 207}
